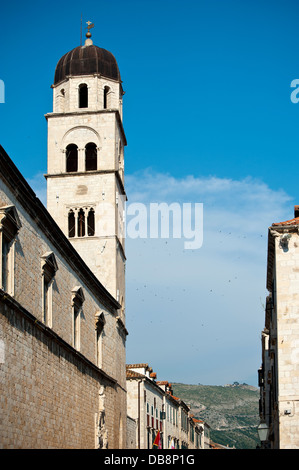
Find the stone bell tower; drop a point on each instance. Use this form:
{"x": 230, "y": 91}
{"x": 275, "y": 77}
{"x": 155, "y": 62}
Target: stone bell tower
{"x": 85, "y": 176}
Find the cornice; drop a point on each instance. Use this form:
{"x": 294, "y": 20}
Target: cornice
{"x": 86, "y": 113}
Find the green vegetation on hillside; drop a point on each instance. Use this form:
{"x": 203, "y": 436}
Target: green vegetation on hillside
{"x": 231, "y": 411}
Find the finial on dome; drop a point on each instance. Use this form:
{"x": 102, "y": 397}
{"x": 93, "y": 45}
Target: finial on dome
{"x": 88, "y": 41}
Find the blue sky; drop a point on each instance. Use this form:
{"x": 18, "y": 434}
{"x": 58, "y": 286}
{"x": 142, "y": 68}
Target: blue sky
{"x": 209, "y": 119}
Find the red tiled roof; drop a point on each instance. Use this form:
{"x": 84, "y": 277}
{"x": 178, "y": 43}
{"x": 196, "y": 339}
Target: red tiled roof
{"x": 136, "y": 366}
{"x": 176, "y": 398}
{"x": 133, "y": 374}
{"x": 294, "y": 221}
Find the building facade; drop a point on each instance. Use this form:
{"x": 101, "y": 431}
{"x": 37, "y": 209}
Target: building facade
{"x": 62, "y": 321}
{"x": 279, "y": 372}
{"x": 155, "y": 409}
{"x": 144, "y": 404}
{"x": 177, "y": 420}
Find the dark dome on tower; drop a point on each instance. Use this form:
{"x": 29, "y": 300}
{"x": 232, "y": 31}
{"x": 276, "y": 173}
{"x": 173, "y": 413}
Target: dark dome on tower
{"x": 87, "y": 60}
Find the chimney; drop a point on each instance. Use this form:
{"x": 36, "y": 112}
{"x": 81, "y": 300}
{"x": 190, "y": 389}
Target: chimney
{"x": 296, "y": 211}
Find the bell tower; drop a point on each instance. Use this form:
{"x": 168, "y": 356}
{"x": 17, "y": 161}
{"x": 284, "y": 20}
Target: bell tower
{"x": 85, "y": 174}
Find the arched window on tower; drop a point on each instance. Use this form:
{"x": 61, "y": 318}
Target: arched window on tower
{"x": 71, "y": 158}
{"x": 83, "y": 96}
{"x": 90, "y": 157}
{"x": 71, "y": 222}
{"x": 120, "y": 151}
{"x": 90, "y": 223}
{"x": 81, "y": 223}
{"x": 106, "y": 97}
{"x": 61, "y": 101}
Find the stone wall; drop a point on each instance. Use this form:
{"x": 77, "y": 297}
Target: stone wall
{"x": 131, "y": 433}
{"x": 50, "y": 393}
{"x": 286, "y": 324}
{"x": 53, "y": 393}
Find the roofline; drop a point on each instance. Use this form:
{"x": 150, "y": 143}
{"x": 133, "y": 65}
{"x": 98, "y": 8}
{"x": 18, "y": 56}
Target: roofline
{"x": 139, "y": 365}
{"x": 99, "y": 75}
{"x": 92, "y": 172}
{"x": 84, "y": 113}
{"x": 37, "y": 211}
{"x": 146, "y": 379}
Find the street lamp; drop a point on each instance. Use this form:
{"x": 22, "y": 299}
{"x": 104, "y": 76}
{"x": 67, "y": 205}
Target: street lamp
{"x": 263, "y": 431}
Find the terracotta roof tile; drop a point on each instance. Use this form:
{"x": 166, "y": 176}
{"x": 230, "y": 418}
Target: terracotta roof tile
{"x": 294, "y": 221}
{"x": 176, "y": 398}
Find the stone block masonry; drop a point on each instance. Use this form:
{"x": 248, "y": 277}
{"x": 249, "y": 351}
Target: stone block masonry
{"x": 55, "y": 394}
{"x": 51, "y": 393}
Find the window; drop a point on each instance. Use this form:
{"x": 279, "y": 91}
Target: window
{"x": 83, "y": 96}
{"x": 77, "y": 304}
{"x": 120, "y": 151}
{"x": 90, "y": 157}
{"x": 106, "y": 97}
{"x": 49, "y": 268}
{"x": 99, "y": 324}
{"x": 122, "y": 310}
{"x": 5, "y": 263}
{"x": 81, "y": 222}
{"x": 71, "y": 223}
{"x": 46, "y": 301}
{"x": 71, "y": 158}
{"x": 76, "y": 326}
{"x": 61, "y": 100}
{"x": 9, "y": 227}
{"x": 90, "y": 223}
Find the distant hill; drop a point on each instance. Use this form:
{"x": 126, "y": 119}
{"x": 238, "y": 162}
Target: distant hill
{"x": 231, "y": 411}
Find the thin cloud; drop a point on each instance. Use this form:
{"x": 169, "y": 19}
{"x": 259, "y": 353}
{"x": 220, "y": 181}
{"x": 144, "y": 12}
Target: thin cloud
{"x": 202, "y": 300}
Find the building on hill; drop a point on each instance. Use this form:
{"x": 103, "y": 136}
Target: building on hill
{"x": 62, "y": 303}
{"x": 279, "y": 372}
{"x": 157, "y": 411}
{"x": 195, "y": 433}
{"x": 176, "y": 424}
{"x": 205, "y": 439}
{"x": 144, "y": 404}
